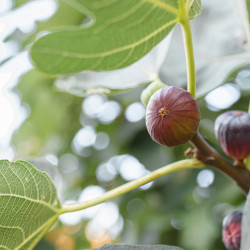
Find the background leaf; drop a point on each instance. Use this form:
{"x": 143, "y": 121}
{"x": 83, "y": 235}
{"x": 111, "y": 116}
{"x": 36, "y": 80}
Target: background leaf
{"x": 28, "y": 202}
{"x": 111, "y": 40}
{"x": 219, "y": 46}
{"x": 138, "y": 247}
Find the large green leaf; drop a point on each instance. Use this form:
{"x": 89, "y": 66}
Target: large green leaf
{"x": 28, "y": 203}
{"x": 115, "y": 81}
{"x": 120, "y": 33}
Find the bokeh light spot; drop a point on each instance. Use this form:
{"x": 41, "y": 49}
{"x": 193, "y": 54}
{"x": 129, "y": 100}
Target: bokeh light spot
{"x": 102, "y": 141}
{"x": 93, "y": 104}
{"x": 223, "y": 97}
{"x": 131, "y": 169}
{"x": 135, "y": 112}
{"x": 205, "y": 178}
{"x": 89, "y": 193}
{"x": 243, "y": 79}
{"x": 110, "y": 111}
{"x": 106, "y": 172}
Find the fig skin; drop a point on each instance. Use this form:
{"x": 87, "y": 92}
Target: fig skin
{"x": 231, "y": 231}
{"x": 149, "y": 91}
{"x": 232, "y": 130}
{"x": 172, "y": 116}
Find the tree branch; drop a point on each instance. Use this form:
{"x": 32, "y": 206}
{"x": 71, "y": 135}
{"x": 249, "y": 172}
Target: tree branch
{"x": 209, "y": 156}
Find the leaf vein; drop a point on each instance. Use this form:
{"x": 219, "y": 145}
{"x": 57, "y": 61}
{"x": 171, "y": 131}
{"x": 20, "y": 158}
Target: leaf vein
{"x": 50, "y": 221}
{"x": 164, "y": 6}
{"x": 106, "y": 53}
{"x": 31, "y": 200}
{"x": 14, "y": 227}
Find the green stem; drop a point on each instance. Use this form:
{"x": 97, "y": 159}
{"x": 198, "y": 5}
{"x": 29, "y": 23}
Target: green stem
{"x": 184, "y": 164}
{"x": 188, "y": 46}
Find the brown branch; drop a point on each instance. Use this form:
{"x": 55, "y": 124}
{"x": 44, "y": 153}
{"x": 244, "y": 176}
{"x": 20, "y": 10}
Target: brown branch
{"x": 209, "y": 156}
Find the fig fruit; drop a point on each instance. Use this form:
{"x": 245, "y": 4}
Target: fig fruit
{"x": 232, "y": 130}
{"x": 231, "y": 231}
{"x": 172, "y": 116}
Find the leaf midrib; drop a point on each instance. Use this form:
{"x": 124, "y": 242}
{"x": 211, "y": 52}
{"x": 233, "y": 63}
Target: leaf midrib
{"x": 39, "y": 229}
{"x": 32, "y": 200}
{"x": 48, "y": 222}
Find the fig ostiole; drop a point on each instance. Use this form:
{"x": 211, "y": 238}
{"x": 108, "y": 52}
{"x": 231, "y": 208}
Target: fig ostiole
{"x": 172, "y": 116}
{"x": 231, "y": 231}
{"x": 232, "y": 130}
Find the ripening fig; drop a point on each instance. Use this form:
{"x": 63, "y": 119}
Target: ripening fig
{"x": 232, "y": 130}
{"x": 231, "y": 231}
{"x": 172, "y": 116}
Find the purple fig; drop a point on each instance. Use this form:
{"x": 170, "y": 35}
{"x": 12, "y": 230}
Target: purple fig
{"x": 172, "y": 116}
{"x": 231, "y": 232}
{"x": 232, "y": 130}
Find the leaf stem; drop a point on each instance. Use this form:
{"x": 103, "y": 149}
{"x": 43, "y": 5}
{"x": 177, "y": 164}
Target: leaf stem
{"x": 188, "y": 46}
{"x": 184, "y": 164}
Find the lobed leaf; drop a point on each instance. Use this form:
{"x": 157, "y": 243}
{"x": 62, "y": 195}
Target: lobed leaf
{"x": 28, "y": 203}
{"x": 119, "y": 34}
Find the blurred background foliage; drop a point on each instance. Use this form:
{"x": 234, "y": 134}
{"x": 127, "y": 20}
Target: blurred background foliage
{"x": 92, "y": 143}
